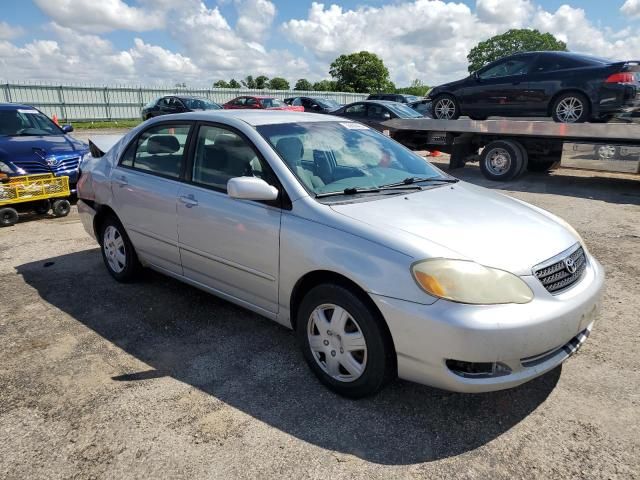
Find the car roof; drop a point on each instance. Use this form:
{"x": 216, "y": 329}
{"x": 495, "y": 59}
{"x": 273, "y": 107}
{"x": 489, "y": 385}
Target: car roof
{"x": 15, "y": 106}
{"x": 382, "y": 102}
{"x": 257, "y": 117}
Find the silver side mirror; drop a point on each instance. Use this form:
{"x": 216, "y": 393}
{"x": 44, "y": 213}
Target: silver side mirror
{"x": 251, "y": 188}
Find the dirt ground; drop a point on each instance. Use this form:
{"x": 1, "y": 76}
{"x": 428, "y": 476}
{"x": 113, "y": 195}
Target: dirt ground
{"x": 159, "y": 380}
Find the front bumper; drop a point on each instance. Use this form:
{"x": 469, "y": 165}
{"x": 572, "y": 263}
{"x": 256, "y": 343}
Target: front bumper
{"x": 530, "y": 339}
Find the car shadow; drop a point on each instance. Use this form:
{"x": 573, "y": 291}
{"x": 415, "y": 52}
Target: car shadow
{"x": 254, "y": 365}
{"x": 599, "y": 186}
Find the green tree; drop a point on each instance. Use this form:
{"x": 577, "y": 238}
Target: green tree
{"x": 303, "y": 84}
{"x": 262, "y": 82}
{"x": 360, "y": 72}
{"x": 220, "y": 84}
{"x": 249, "y": 82}
{"x": 513, "y": 41}
{"x": 325, "y": 86}
{"x": 278, "y": 83}
{"x": 233, "y": 83}
{"x": 416, "y": 88}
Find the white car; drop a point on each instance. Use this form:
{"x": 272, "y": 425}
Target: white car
{"x": 383, "y": 264}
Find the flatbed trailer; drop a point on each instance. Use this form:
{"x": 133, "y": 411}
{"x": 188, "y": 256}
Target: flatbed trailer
{"x": 507, "y": 148}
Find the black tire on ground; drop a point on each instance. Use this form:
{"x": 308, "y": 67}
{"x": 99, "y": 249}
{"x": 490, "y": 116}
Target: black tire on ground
{"x": 445, "y": 107}
{"x": 501, "y": 160}
{"x": 61, "y": 207}
{"x": 571, "y": 107}
{"x": 131, "y": 267}
{"x": 540, "y": 165}
{"x": 42, "y": 207}
{"x": 8, "y": 216}
{"x": 380, "y": 362}
{"x": 525, "y": 157}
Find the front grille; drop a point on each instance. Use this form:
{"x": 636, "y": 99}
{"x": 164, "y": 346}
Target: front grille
{"x": 40, "y": 166}
{"x": 562, "y": 271}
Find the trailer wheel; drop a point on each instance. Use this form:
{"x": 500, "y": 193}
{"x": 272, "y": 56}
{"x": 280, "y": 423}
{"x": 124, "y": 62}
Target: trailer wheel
{"x": 8, "y": 216}
{"x": 61, "y": 207}
{"x": 501, "y": 160}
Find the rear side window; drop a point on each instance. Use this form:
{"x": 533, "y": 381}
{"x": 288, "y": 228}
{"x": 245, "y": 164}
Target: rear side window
{"x": 357, "y": 110}
{"x": 158, "y": 150}
{"x": 553, "y": 63}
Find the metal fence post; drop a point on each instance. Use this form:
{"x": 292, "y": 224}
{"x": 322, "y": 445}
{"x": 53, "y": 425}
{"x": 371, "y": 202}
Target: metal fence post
{"x": 107, "y": 108}
{"x": 7, "y": 93}
{"x": 63, "y": 113}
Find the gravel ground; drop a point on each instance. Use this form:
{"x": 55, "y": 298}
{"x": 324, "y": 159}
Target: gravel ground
{"x": 157, "y": 379}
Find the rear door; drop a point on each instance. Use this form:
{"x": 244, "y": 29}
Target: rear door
{"x": 499, "y": 89}
{"x": 229, "y": 245}
{"x": 145, "y": 187}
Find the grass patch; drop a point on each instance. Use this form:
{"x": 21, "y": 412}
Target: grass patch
{"x": 105, "y": 124}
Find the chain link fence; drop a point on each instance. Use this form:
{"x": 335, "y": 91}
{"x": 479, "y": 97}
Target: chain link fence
{"x": 98, "y": 103}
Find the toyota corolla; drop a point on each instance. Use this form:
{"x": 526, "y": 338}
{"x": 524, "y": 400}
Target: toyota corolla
{"x": 382, "y": 264}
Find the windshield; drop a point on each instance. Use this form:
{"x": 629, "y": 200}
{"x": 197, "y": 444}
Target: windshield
{"x": 272, "y": 103}
{"x": 200, "y": 104}
{"x": 403, "y": 111}
{"x": 26, "y": 121}
{"x": 334, "y": 156}
{"x": 411, "y": 98}
{"x": 326, "y": 102}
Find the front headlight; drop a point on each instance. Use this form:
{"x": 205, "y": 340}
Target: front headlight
{"x": 469, "y": 282}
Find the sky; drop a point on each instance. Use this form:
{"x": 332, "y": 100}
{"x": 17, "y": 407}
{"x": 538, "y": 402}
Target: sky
{"x": 163, "y": 42}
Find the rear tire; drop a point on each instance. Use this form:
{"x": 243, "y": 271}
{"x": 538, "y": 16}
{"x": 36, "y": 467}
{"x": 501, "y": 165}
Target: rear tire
{"x": 445, "y": 107}
{"x": 118, "y": 253}
{"x": 8, "y": 217}
{"x": 61, "y": 207}
{"x": 351, "y": 354}
{"x": 501, "y": 160}
{"x": 571, "y": 107}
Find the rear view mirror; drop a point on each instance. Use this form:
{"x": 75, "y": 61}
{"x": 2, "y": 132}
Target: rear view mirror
{"x": 251, "y": 188}
{"x": 67, "y": 128}
{"x": 386, "y": 116}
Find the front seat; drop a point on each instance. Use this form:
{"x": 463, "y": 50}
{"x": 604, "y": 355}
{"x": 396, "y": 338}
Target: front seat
{"x": 291, "y": 150}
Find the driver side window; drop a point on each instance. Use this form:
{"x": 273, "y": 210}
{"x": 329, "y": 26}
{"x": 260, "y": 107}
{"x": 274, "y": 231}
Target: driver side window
{"x": 505, "y": 69}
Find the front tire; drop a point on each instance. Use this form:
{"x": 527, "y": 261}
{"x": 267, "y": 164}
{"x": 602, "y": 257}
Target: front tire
{"x": 8, "y": 217}
{"x": 117, "y": 251}
{"x": 61, "y": 207}
{"x": 571, "y": 108}
{"x": 344, "y": 341}
{"x": 445, "y": 107}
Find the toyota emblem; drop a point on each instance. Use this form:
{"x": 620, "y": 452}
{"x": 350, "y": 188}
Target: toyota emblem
{"x": 570, "y": 265}
{"x": 52, "y": 162}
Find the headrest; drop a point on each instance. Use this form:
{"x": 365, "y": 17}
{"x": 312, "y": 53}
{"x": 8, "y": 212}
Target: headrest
{"x": 228, "y": 140}
{"x": 163, "y": 144}
{"x": 291, "y": 150}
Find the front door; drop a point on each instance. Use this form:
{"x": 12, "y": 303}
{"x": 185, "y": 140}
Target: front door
{"x": 229, "y": 245}
{"x": 145, "y": 190}
{"x": 501, "y": 89}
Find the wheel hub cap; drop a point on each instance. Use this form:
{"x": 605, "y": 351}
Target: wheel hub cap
{"x": 570, "y": 109}
{"x": 337, "y": 343}
{"x": 114, "y": 250}
{"x": 499, "y": 161}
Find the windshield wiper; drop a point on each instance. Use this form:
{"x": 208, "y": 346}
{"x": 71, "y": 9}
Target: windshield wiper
{"x": 412, "y": 180}
{"x": 356, "y": 190}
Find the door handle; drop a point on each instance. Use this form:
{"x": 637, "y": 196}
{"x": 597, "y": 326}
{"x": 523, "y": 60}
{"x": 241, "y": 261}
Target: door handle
{"x": 188, "y": 200}
{"x": 121, "y": 180}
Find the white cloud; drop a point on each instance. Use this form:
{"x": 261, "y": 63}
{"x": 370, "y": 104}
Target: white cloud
{"x": 9, "y": 31}
{"x": 631, "y": 8}
{"x": 424, "y": 39}
{"x": 101, "y": 15}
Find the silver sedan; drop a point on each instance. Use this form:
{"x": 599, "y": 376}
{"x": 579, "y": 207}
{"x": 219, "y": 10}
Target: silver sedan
{"x": 383, "y": 265}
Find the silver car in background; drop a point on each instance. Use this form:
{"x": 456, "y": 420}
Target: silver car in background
{"x": 383, "y": 265}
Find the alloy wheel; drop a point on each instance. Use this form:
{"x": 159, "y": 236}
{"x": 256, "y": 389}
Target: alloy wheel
{"x": 570, "y": 109}
{"x": 445, "y": 109}
{"x": 498, "y": 161}
{"x": 337, "y": 343}
{"x": 114, "y": 249}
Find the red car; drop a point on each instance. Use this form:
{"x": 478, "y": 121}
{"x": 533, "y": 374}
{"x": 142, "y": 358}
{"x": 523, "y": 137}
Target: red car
{"x": 265, "y": 103}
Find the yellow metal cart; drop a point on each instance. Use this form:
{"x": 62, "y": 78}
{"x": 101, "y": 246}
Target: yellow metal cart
{"x": 37, "y": 193}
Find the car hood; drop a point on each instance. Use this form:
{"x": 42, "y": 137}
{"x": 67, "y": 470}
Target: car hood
{"x": 470, "y": 223}
{"x": 17, "y": 149}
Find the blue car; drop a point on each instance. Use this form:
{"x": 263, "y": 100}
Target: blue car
{"x": 31, "y": 143}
